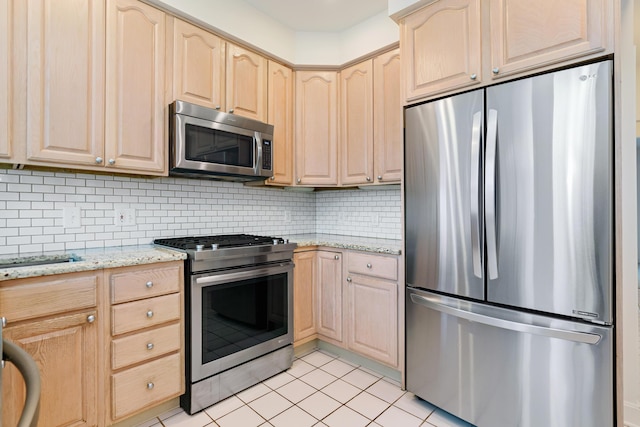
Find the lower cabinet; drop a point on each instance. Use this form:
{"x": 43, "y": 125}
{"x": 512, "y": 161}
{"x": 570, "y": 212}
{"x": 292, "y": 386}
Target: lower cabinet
{"x": 329, "y": 291}
{"x": 304, "y": 296}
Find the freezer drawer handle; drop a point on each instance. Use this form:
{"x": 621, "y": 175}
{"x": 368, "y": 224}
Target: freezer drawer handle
{"x": 581, "y": 337}
{"x": 475, "y": 194}
{"x": 490, "y": 195}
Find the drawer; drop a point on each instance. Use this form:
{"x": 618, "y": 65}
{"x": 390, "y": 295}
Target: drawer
{"x": 146, "y": 385}
{"x": 132, "y": 316}
{"x": 145, "y": 345}
{"x": 373, "y": 265}
{"x": 44, "y": 296}
{"x": 135, "y": 285}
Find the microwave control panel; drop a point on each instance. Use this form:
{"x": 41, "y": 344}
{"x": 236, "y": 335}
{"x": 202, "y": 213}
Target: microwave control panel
{"x": 266, "y": 154}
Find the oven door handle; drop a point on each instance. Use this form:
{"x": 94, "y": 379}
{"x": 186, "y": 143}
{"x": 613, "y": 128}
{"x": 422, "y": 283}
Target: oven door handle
{"x": 218, "y": 277}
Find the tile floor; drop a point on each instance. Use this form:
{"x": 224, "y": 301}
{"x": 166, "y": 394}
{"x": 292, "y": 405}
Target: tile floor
{"x": 320, "y": 389}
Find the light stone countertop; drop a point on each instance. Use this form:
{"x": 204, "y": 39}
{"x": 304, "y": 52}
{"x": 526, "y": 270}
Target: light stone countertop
{"x": 367, "y": 244}
{"x": 86, "y": 260}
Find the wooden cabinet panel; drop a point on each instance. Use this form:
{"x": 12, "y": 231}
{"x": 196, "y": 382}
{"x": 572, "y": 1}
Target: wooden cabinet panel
{"x": 280, "y": 115}
{"x": 526, "y": 35}
{"x": 372, "y": 310}
{"x": 387, "y": 118}
{"x": 356, "y": 124}
{"x": 146, "y": 385}
{"x": 383, "y": 267}
{"x": 65, "y": 80}
{"x": 144, "y": 313}
{"x": 140, "y": 283}
{"x": 246, "y": 83}
{"x": 6, "y": 90}
{"x": 144, "y": 345}
{"x": 304, "y": 295}
{"x": 65, "y": 350}
{"x": 329, "y": 294}
{"x": 198, "y": 66}
{"x": 441, "y": 47}
{"x": 316, "y": 128}
{"x": 135, "y": 101}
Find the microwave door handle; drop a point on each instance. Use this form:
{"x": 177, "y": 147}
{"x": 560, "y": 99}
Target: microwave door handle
{"x": 257, "y": 140}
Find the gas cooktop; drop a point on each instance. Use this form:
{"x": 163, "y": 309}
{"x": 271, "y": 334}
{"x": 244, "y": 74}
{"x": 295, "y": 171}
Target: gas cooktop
{"x": 218, "y": 242}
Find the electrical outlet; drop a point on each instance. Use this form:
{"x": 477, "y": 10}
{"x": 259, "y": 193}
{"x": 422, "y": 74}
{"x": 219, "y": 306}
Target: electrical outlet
{"x": 375, "y": 219}
{"x": 287, "y": 217}
{"x": 125, "y": 216}
{"x": 71, "y": 217}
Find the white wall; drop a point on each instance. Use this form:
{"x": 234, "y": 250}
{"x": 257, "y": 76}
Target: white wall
{"x": 240, "y": 20}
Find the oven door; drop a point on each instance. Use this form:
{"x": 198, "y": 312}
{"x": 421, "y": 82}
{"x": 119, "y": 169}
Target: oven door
{"x": 238, "y": 315}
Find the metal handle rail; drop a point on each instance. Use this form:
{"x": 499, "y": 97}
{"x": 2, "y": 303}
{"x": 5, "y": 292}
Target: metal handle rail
{"x": 29, "y": 371}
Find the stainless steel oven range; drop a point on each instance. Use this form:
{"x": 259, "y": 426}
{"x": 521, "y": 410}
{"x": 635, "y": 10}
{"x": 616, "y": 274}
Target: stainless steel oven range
{"x": 239, "y": 313}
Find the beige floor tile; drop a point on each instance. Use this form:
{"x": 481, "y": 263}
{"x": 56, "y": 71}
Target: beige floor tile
{"x": 244, "y": 416}
{"x": 368, "y": 405}
{"x": 441, "y": 418}
{"x": 296, "y": 390}
{"x": 346, "y": 417}
{"x": 318, "y": 378}
{"x": 155, "y": 422}
{"x": 170, "y": 413}
{"x": 319, "y": 405}
{"x": 293, "y": 417}
{"x": 341, "y": 391}
{"x": 360, "y": 378}
{"x": 270, "y": 405}
{"x": 414, "y": 405}
{"x": 395, "y": 417}
{"x": 252, "y": 393}
{"x": 278, "y": 380}
{"x": 299, "y": 368}
{"x": 385, "y": 391}
{"x": 183, "y": 419}
{"x": 223, "y": 407}
{"x": 318, "y": 358}
{"x": 338, "y": 368}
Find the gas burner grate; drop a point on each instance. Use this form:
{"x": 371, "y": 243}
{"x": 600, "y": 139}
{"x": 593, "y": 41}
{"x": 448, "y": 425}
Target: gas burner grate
{"x": 223, "y": 241}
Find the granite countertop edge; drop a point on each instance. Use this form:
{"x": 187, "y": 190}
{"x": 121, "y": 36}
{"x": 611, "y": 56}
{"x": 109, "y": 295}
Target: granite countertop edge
{"x": 365, "y": 244}
{"x": 93, "y": 259}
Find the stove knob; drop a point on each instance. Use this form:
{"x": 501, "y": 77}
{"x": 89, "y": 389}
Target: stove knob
{"x": 286, "y": 240}
{"x": 276, "y": 241}
{"x": 214, "y": 246}
{"x": 199, "y": 247}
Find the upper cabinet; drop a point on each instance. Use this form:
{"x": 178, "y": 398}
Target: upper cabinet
{"x": 442, "y": 43}
{"x": 526, "y": 35}
{"x": 198, "y": 66}
{"x": 6, "y": 91}
{"x": 387, "y": 118}
{"x": 280, "y": 115}
{"x": 135, "y": 103}
{"x": 316, "y": 121}
{"x": 65, "y": 75}
{"x": 246, "y": 83}
{"x": 441, "y": 47}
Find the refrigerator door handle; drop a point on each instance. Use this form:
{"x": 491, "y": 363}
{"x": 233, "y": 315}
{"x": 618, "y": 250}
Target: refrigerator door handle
{"x": 434, "y": 304}
{"x": 475, "y": 194}
{"x": 490, "y": 195}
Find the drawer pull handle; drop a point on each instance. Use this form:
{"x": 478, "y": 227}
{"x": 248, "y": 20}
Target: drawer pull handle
{"x": 368, "y": 265}
{"x": 91, "y": 318}
{"x": 150, "y": 346}
{"x": 349, "y": 279}
{"x": 336, "y": 257}
{"x": 150, "y": 386}
{"x": 149, "y": 314}
{"x": 149, "y": 284}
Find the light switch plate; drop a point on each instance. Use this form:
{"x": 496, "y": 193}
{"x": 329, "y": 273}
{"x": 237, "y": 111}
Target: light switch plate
{"x": 125, "y": 216}
{"x": 71, "y": 216}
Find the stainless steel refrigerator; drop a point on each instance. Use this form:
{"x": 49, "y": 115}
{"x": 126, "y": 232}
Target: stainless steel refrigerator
{"x": 509, "y": 251}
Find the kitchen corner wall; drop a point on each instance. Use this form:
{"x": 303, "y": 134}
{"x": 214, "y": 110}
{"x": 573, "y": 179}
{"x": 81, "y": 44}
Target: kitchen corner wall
{"x": 32, "y": 202}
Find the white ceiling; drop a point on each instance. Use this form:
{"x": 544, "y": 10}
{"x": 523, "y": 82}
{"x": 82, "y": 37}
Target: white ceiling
{"x": 320, "y": 15}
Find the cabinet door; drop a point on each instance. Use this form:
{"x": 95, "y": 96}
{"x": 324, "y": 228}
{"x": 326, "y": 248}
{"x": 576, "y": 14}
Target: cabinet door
{"x": 6, "y": 92}
{"x": 527, "y": 35}
{"x": 387, "y": 117}
{"x": 304, "y": 284}
{"x": 372, "y": 307}
{"x": 441, "y": 48}
{"x": 65, "y": 350}
{"x": 316, "y": 128}
{"x": 135, "y": 116}
{"x": 329, "y": 288}
{"x": 65, "y": 80}
{"x": 198, "y": 66}
{"x": 281, "y": 117}
{"x": 246, "y": 83}
{"x": 356, "y": 125}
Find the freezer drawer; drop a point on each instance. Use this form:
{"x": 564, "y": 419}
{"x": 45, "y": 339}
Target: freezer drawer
{"x": 497, "y": 367}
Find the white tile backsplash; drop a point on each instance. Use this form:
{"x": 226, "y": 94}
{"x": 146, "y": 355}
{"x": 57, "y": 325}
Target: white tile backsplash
{"x": 31, "y": 204}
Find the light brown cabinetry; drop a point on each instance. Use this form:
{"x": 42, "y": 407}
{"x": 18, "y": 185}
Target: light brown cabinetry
{"x": 198, "y": 66}
{"x": 6, "y": 80}
{"x": 316, "y": 124}
{"x": 329, "y": 294}
{"x": 135, "y": 88}
{"x": 441, "y": 48}
{"x": 280, "y": 115}
{"x": 145, "y": 340}
{"x": 246, "y": 83}
{"x": 55, "y": 320}
{"x": 304, "y": 296}
{"x": 371, "y": 306}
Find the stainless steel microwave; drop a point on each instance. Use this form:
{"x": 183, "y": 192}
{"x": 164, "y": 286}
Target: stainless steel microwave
{"x": 207, "y": 143}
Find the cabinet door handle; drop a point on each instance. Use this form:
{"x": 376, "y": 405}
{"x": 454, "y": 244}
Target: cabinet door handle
{"x": 231, "y": 111}
{"x": 150, "y": 346}
{"x": 150, "y": 314}
{"x": 298, "y": 180}
{"x": 91, "y": 318}
{"x": 336, "y": 257}
{"x": 368, "y": 265}
{"x": 495, "y": 70}
{"x": 149, "y": 284}
{"x": 473, "y": 76}
{"x": 368, "y": 178}
{"x": 379, "y": 177}
{"x": 150, "y": 386}
{"x": 112, "y": 162}
{"x": 349, "y": 279}
{"x": 99, "y": 160}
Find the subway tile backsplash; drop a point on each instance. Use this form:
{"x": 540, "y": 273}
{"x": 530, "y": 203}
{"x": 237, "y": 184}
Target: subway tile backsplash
{"x": 32, "y": 203}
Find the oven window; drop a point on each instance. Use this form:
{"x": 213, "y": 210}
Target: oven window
{"x": 241, "y": 314}
{"x": 217, "y": 146}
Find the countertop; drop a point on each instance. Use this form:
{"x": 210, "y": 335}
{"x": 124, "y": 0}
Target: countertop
{"x": 86, "y": 260}
{"x": 367, "y": 244}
